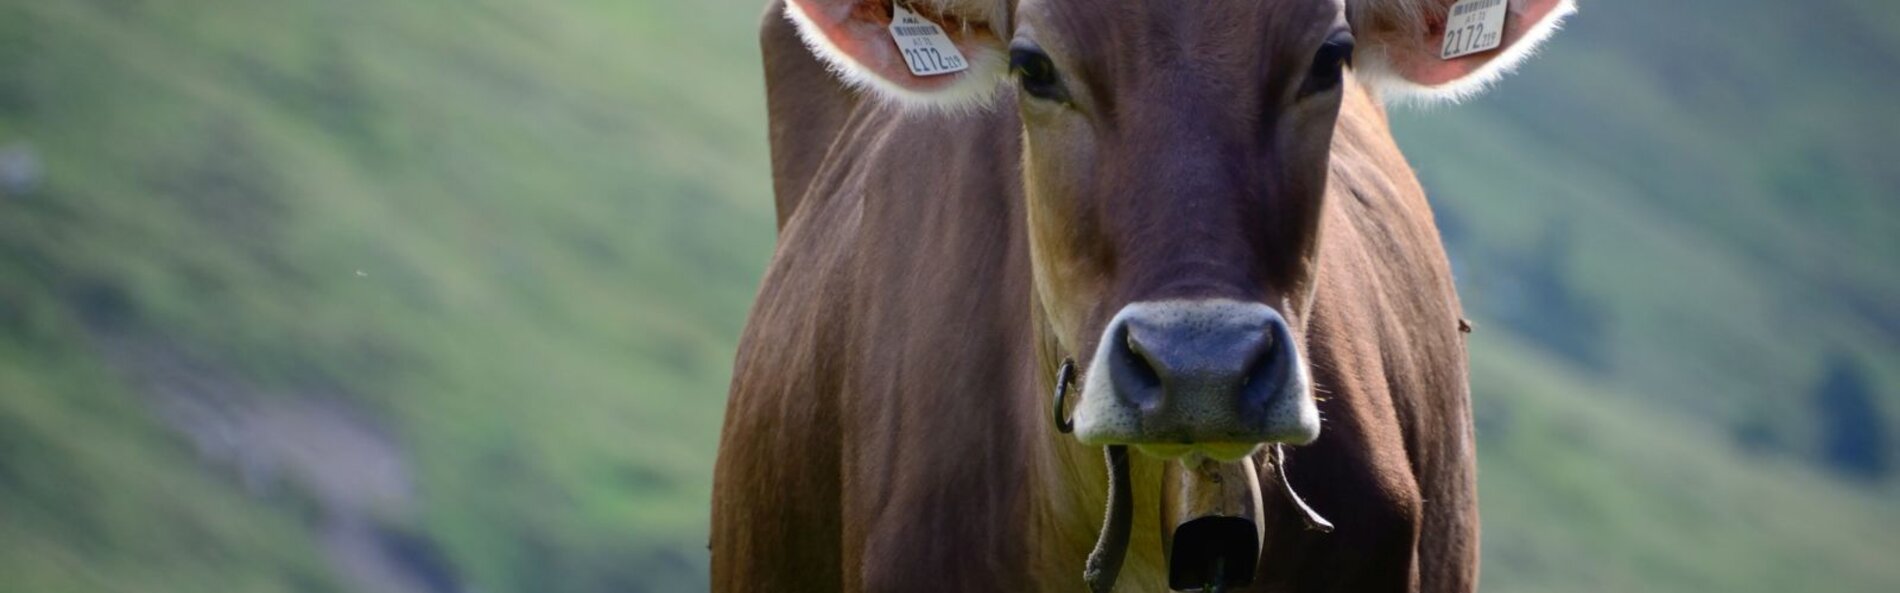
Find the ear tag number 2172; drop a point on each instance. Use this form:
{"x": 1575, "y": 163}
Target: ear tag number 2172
{"x": 927, "y": 50}
{"x": 1474, "y": 26}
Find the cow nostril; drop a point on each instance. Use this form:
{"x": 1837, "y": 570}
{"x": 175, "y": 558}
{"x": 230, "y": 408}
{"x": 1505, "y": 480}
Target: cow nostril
{"x": 1137, "y": 372}
{"x": 1262, "y": 356}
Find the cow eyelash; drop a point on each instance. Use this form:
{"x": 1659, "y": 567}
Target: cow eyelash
{"x": 1036, "y": 73}
{"x": 1329, "y": 64}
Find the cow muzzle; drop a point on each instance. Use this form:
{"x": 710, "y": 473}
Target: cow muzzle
{"x": 1211, "y": 377}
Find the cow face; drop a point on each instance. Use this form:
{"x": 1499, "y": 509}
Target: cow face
{"x": 1175, "y": 165}
{"x": 1175, "y": 161}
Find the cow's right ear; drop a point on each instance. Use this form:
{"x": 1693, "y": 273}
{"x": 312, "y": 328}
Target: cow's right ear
{"x": 950, "y": 58}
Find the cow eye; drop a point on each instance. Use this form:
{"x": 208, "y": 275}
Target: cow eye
{"x": 1036, "y": 73}
{"x": 1329, "y": 64}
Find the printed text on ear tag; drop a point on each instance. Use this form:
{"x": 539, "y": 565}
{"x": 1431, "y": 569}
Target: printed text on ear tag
{"x": 1474, "y": 26}
{"x": 927, "y": 50}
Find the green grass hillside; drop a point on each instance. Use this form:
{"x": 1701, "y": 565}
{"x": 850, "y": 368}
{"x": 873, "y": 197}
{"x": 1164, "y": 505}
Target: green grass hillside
{"x": 441, "y": 296}
{"x": 517, "y": 239}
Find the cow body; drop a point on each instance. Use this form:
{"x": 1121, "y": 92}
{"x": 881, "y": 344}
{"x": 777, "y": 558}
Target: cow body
{"x": 888, "y": 426}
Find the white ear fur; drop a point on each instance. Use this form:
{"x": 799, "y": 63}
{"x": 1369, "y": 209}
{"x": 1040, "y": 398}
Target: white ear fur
{"x": 973, "y": 89}
{"x": 1375, "y": 71}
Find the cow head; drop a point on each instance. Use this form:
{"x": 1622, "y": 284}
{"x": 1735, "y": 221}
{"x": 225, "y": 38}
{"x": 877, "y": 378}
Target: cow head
{"x": 1175, "y": 161}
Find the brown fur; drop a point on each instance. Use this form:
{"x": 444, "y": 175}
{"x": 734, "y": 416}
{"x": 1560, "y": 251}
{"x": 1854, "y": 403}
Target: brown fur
{"x": 888, "y": 426}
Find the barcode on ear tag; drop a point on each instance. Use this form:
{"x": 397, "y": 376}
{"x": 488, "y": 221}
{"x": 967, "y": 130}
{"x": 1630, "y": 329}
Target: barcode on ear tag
{"x": 927, "y": 50}
{"x": 1474, "y": 26}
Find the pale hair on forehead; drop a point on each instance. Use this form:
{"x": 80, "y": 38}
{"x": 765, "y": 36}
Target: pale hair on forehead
{"x": 1385, "y": 28}
{"x": 1407, "y": 16}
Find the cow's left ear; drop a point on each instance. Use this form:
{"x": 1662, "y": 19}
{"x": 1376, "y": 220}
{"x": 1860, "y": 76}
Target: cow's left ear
{"x": 927, "y": 53}
{"x": 1434, "y": 50}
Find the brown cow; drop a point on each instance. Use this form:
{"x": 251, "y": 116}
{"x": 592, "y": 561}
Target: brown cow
{"x": 1200, "y": 202}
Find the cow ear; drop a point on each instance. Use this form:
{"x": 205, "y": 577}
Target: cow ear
{"x": 1403, "y": 44}
{"x": 951, "y": 56}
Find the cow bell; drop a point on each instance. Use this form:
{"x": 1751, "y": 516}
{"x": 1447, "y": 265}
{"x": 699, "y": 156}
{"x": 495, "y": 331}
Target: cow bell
{"x": 1211, "y": 512}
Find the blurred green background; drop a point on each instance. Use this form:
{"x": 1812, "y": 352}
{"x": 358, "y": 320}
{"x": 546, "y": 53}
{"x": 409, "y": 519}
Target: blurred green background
{"x": 435, "y": 296}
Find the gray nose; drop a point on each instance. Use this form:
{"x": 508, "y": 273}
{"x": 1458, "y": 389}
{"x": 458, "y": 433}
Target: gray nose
{"x": 1214, "y": 372}
{"x": 1174, "y": 356}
